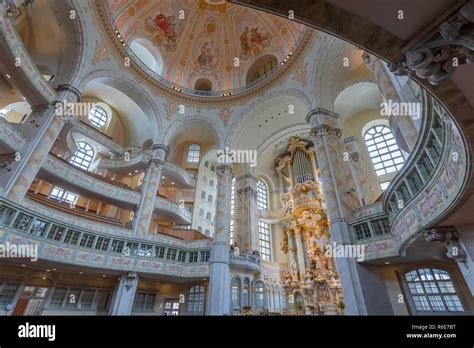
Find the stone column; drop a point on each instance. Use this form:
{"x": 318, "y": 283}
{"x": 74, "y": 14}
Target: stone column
{"x": 219, "y": 280}
{"x": 358, "y": 173}
{"x": 124, "y": 295}
{"x": 329, "y": 150}
{"x": 246, "y": 220}
{"x": 144, "y": 211}
{"x": 42, "y": 128}
{"x": 300, "y": 253}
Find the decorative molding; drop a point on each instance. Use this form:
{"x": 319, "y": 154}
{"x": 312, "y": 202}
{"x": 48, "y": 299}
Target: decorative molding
{"x": 449, "y": 237}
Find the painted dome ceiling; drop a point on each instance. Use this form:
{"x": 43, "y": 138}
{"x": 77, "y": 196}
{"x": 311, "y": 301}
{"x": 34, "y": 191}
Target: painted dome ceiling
{"x": 188, "y": 42}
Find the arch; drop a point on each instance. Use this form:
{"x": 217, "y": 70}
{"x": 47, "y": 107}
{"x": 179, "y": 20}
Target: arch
{"x": 432, "y": 289}
{"x": 246, "y": 292}
{"x": 259, "y": 295}
{"x": 137, "y": 109}
{"x": 148, "y": 53}
{"x": 15, "y": 112}
{"x": 83, "y": 156}
{"x": 208, "y": 216}
{"x": 236, "y": 292}
{"x": 203, "y": 84}
{"x": 261, "y": 67}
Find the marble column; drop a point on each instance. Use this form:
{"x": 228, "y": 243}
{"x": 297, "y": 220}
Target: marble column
{"x": 358, "y": 173}
{"x": 42, "y": 128}
{"x": 124, "y": 295}
{"x": 219, "y": 280}
{"x": 300, "y": 251}
{"x": 144, "y": 212}
{"x": 329, "y": 150}
{"x": 246, "y": 220}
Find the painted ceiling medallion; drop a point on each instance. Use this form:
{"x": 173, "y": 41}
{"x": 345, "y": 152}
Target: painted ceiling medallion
{"x": 207, "y": 35}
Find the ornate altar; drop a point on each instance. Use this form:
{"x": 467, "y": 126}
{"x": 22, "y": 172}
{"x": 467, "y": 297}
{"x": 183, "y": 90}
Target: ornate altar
{"x": 311, "y": 282}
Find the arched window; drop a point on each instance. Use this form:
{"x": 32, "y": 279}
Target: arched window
{"x": 383, "y": 150}
{"x": 263, "y": 227}
{"x": 208, "y": 216}
{"x": 193, "y": 153}
{"x": 210, "y": 199}
{"x": 232, "y": 205}
{"x": 205, "y": 179}
{"x": 259, "y": 295}
{"x": 262, "y": 195}
{"x": 203, "y": 84}
{"x": 261, "y": 67}
{"x": 201, "y": 213}
{"x": 203, "y": 195}
{"x": 207, "y": 232}
{"x": 432, "y": 290}
{"x": 98, "y": 116}
{"x": 211, "y": 183}
{"x": 199, "y": 228}
{"x": 206, "y": 164}
{"x": 83, "y": 155}
{"x": 245, "y": 292}
{"x": 235, "y": 293}
{"x": 196, "y": 300}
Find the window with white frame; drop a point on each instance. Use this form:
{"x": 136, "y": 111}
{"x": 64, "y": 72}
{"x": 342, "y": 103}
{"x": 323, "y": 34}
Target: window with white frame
{"x": 235, "y": 293}
{"x": 98, "y": 116}
{"x": 196, "y": 300}
{"x": 263, "y": 227}
{"x": 83, "y": 156}
{"x": 193, "y": 153}
{"x": 63, "y": 195}
{"x": 432, "y": 290}
{"x": 383, "y": 150}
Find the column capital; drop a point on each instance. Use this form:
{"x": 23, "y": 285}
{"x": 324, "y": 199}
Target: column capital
{"x": 325, "y": 129}
{"x": 224, "y": 169}
{"x": 449, "y": 237}
{"x": 321, "y": 116}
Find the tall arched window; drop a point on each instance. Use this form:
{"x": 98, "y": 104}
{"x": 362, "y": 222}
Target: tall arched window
{"x": 193, "y": 153}
{"x": 263, "y": 227}
{"x": 98, "y": 116}
{"x": 201, "y": 213}
{"x": 83, "y": 156}
{"x": 196, "y": 300}
{"x": 383, "y": 150}
{"x": 208, "y": 216}
{"x": 432, "y": 290}
{"x": 210, "y": 199}
{"x": 259, "y": 296}
{"x": 235, "y": 293}
{"x": 245, "y": 292}
{"x": 232, "y": 206}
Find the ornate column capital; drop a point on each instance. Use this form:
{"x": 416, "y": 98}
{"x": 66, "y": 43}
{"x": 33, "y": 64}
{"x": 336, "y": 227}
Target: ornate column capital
{"x": 325, "y": 129}
{"x": 435, "y": 54}
{"x": 224, "y": 169}
{"x": 320, "y": 116}
{"x": 449, "y": 237}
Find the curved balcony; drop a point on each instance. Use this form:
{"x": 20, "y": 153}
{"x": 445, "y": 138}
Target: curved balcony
{"x": 120, "y": 164}
{"x": 28, "y": 79}
{"x": 57, "y": 241}
{"x": 171, "y": 211}
{"x": 91, "y": 185}
{"x": 178, "y": 175}
{"x": 98, "y": 136}
{"x": 9, "y": 137}
{"x": 245, "y": 261}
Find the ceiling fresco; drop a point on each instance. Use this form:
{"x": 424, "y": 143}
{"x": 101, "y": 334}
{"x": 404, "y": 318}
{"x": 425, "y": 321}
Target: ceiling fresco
{"x": 205, "y": 39}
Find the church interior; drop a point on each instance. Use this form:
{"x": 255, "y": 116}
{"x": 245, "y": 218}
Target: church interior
{"x": 236, "y": 158}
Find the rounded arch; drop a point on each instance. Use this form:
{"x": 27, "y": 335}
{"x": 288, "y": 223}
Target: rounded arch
{"x": 148, "y": 53}
{"x": 260, "y": 67}
{"x": 203, "y": 84}
{"x": 137, "y": 109}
